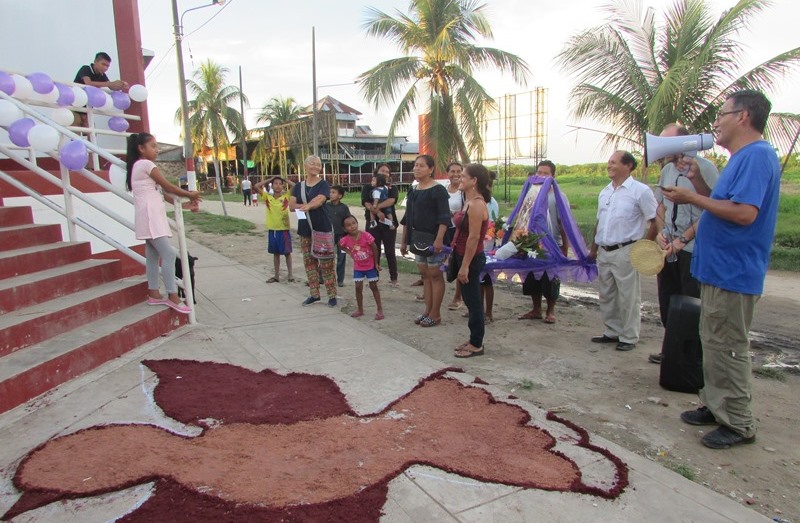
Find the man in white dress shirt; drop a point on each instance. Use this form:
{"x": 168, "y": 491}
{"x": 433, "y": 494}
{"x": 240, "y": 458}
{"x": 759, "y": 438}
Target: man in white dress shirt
{"x": 625, "y": 208}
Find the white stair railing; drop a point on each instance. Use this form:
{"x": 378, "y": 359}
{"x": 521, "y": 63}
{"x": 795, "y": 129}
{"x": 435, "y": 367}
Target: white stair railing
{"x": 15, "y": 153}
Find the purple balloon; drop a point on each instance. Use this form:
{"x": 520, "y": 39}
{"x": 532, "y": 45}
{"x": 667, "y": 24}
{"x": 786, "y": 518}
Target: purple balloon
{"x": 65, "y": 95}
{"x": 121, "y": 100}
{"x": 18, "y": 132}
{"x": 7, "y": 84}
{"x": 96, "y": 96}
{"x": 118, "y": 123}
{"x": 41, "y": 83}
{"x": 74, "y": 155}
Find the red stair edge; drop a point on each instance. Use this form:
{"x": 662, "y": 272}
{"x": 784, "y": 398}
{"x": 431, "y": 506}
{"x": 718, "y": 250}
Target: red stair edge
{"x": 36, "y": 261}
{"x": 18, "y": 215}
{"x": 35, "y": 382}
{"x": 41, "y": 328}
{"x": 22, "y": 296}
{"x": 35, "y": 234}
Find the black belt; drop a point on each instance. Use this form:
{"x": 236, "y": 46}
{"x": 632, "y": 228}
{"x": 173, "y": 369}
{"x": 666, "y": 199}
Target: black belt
{"x": 617, "y": 246}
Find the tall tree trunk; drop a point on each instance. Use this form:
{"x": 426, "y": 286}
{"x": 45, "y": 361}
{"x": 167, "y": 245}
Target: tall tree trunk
{"x": 218, "y": 178}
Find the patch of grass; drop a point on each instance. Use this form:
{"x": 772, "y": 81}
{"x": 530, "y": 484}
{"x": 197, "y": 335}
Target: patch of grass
{"x": 680, "y": 468}
{"x": 215, "y": 224}
{"x": 770, "y": 373}
{"x": 405, "y": 266}
{"x": 526, "y": 384}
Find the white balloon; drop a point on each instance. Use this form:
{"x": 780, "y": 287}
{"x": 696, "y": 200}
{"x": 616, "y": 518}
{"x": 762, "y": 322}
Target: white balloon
{"x": 137, "y": 92}
{"x": 23, "y": 87}
{"x": 117, "y": 175}
{"x": 63, "y": 116}
{"x": 80, "y": 97}
{"x": 9, "y": 113}
{"x": 109, "y": 105}
{"x": 52, "y": 96}
{"x": 43, "y": 138}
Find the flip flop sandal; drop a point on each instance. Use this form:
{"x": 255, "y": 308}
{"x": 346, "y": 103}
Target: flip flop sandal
{"x": 273, "y": 280}
{"x": 530, "y": 316}
{"x": 550, "y": 319}
{"x": 429, "y": 322}
{"x": 466, "y": 353}
{"x": 291, "y": 280}
{"x": 419, "y": 318}
{"x": 156, "y": 301}
{"x": 455, "y": 306}
{"x": 356, "y": 314}
{"x": 379, "y": 316}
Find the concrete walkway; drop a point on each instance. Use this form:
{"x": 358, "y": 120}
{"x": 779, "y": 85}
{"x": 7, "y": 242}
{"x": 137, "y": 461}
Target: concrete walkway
{"x": 263, "y": 326}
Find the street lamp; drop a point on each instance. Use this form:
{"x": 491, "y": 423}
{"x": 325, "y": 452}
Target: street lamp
{"x": 188, "y": 150}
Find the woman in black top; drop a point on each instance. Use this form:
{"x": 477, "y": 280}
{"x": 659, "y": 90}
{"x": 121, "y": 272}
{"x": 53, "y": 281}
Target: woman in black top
{"x": 317, "y": 193}
{"x": 427, "y": 212}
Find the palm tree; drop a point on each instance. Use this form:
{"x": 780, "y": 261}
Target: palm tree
{"x": 636, "y": 75}
{"x": 279, "y": 110}
{"x": 436, "y": 38}
{"x": 211, "y": 116}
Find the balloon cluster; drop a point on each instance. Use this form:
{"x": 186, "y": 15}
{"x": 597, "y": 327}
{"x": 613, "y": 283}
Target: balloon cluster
{"x": 24, "y": 132}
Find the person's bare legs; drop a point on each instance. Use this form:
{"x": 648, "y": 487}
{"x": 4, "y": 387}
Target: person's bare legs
{"x": 434, "y": 292}
{"x": 487, "y": 293}
{"x": 426, "y": 291}
{"x": 456, "y": 303}
{"x": 550, "y": 315}
{"x": 276, "y": 262}
{"x": 289, "y": 267}
{"x": 360, "y": 296}
{"x": 376, "y": 293}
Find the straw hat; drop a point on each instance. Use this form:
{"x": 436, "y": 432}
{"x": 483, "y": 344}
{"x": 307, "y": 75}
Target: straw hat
{"x": 647, "y": 257}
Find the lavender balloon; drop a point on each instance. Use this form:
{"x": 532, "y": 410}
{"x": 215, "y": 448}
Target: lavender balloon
{"x": 95, "y": 96}
{"x": 121, "y": 100}
{"x": 118, "y": 123}
{"x": 74, "y": 155}
{"x": 7, "y": 83}
{"x": 65, "y": 95}
{"x": 18, "y": 132}
{"x": 41, "y": 83}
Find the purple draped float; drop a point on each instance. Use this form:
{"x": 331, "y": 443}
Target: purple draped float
{"x": 555, "y": 264}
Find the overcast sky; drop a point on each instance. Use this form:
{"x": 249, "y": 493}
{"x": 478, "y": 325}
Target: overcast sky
{"x": 271, "y": 41}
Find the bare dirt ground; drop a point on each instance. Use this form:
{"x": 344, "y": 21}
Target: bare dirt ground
{"x": 612, "y": 394}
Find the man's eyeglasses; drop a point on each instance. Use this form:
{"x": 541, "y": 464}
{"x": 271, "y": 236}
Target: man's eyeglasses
{"x": 723, "y": 113}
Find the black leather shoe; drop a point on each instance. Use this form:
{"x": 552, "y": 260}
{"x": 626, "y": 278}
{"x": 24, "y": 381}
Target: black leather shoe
{"x": 701, "y": 416}
{"x": 625, "y": 346}
{"x": 725, "y": 438}
{"x": 655, "y": 358}
{"x": 604, "y": 339}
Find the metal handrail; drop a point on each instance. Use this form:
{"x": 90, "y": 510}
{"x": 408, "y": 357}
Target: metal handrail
{"x": 66, "y": 211}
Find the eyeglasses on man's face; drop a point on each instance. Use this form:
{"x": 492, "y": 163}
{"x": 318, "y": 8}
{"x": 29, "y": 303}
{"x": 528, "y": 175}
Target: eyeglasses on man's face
{"x": 723, "y": 113}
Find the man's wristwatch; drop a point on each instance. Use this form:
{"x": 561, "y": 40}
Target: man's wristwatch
{"x": 683, "y": 239}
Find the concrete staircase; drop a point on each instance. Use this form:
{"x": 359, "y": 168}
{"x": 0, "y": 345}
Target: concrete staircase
{"x": 63, "y": 313}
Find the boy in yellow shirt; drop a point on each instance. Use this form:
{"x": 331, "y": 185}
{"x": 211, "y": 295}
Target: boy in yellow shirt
{"x": 279, "y": 239}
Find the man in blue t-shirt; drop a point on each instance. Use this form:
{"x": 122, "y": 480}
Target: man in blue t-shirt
{"x": 731, "y": 257}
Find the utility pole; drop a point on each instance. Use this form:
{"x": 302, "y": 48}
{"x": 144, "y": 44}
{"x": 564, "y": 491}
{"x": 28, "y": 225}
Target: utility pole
{"x": 244, "y": 128}
{"x": 314, "y": 85}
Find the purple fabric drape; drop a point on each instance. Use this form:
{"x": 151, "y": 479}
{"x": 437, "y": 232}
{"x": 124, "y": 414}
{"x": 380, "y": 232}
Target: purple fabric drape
{"x": 555, "y": 264}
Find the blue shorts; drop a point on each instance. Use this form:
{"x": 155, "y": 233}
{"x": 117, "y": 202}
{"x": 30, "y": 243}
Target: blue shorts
{"x": 370, "y": 275}
{"x": 279, "y": 242}
{"x": 434, "y": 260}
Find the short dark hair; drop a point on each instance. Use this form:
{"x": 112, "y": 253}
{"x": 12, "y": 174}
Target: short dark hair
{"x": 628, "y": 159}
{"x": 679, "y": 129}
{"x": 346, "y": 217}
{"x": 102, "y": 55}
{"x": 756, "y": 104}
{"x": 338, "y": 188}
{"x": 547, "y": 163}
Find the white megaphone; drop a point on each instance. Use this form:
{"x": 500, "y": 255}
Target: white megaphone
{"x": 657, "y": 147}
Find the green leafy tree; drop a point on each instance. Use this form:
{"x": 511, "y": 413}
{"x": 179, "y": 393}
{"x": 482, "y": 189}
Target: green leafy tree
{"x": 636, "y": 75}
{"x": 436, "y": 71}
{"x": 211, "y": 116}
{"x": 279, "y": 110}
